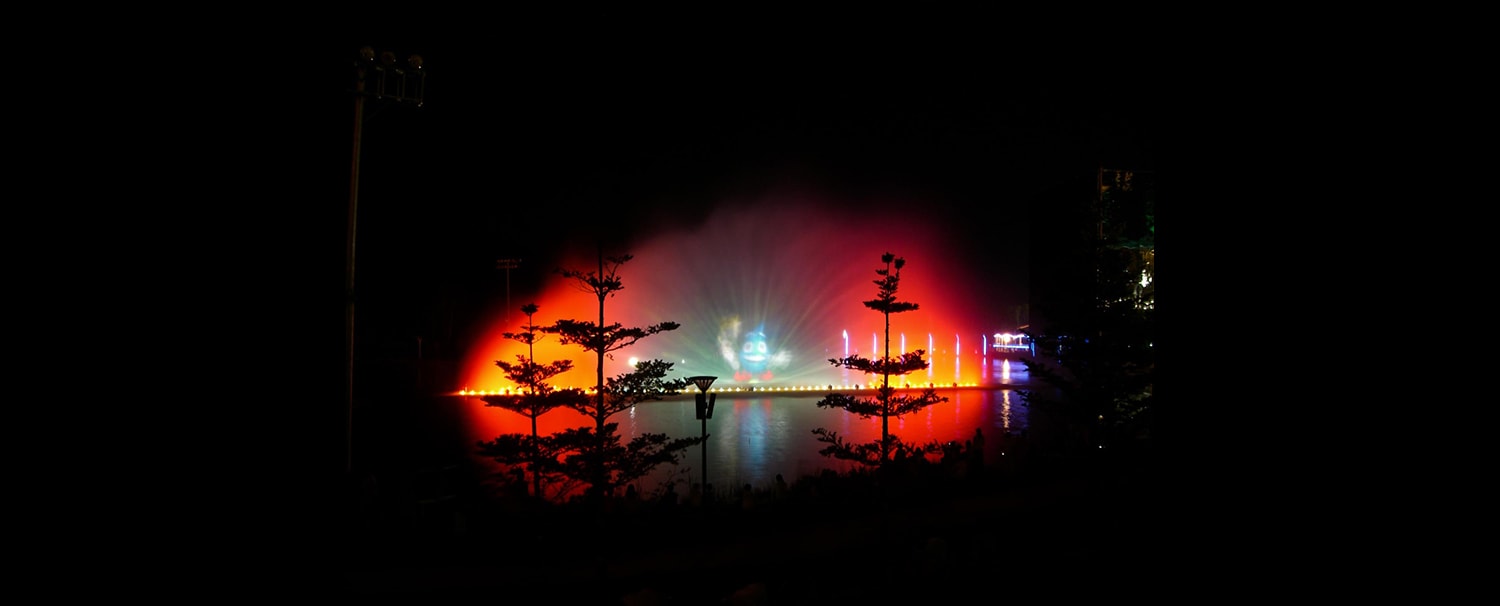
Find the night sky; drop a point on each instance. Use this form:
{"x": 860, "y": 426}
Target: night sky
{"x": 518, "y": 155}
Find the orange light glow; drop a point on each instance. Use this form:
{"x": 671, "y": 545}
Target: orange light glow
{"x": 740, "y": 265}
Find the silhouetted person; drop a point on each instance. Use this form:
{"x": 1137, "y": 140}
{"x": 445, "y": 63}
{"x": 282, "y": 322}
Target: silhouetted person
{"x": 976, "y": 451}
{"x": 953, "y": 459}
{"x": 632, "y": 499}
{"x": 669, "y": 498}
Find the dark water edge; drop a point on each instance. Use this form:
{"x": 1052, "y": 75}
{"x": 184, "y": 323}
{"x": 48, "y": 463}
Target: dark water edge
{"x": 1016, "y": 529}
{"x": 1013, "y": 528}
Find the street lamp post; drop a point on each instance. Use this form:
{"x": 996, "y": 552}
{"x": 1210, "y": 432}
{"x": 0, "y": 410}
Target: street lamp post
{"x": 704, "y": 406}
{"x": 392, "y": 83}
{"x": 507, "y": 265}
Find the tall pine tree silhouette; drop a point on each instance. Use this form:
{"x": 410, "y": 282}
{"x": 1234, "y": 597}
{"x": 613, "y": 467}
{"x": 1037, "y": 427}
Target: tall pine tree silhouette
{"x": 535, "y": 398}
{"x": 598, "y": 455}
{"x": 887, "y": 403}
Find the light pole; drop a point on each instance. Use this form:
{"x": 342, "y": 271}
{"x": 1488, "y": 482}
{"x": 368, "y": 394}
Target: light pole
{"x": 507, "y": 265}
{"x": 392, "y": 84}
{"x": 705, "y": 409}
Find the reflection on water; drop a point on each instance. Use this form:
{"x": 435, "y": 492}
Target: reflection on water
{"x": 752, "y": 436}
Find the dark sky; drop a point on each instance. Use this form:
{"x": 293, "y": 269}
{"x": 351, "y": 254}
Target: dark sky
{"x": 524, "y": 152}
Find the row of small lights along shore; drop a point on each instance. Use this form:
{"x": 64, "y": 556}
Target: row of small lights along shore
{"x": 508, "y": 391}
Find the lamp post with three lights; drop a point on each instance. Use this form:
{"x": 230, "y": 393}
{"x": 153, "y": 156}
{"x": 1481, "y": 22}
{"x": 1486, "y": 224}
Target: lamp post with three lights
{"x": 391, "y": 83}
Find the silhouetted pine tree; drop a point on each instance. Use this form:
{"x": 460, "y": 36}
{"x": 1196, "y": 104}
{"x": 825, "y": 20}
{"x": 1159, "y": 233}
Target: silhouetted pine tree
{"x": 887, "y": 403}
{"x": 535, "y": 398}
{"x": 596, "y": 455}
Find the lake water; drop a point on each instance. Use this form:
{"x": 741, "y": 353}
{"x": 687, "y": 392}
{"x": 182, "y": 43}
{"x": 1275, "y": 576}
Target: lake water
{"x": 753, "y": 436}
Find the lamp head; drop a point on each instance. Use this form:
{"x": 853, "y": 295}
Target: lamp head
{"x": 703, "y": 382}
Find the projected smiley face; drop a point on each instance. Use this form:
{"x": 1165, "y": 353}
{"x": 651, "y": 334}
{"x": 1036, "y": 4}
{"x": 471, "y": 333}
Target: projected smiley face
{"x": 753, "y": 353}
{"x": 749, "y": 354}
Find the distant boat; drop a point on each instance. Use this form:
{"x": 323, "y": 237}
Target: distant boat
{"x": 1012, "y": 345}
